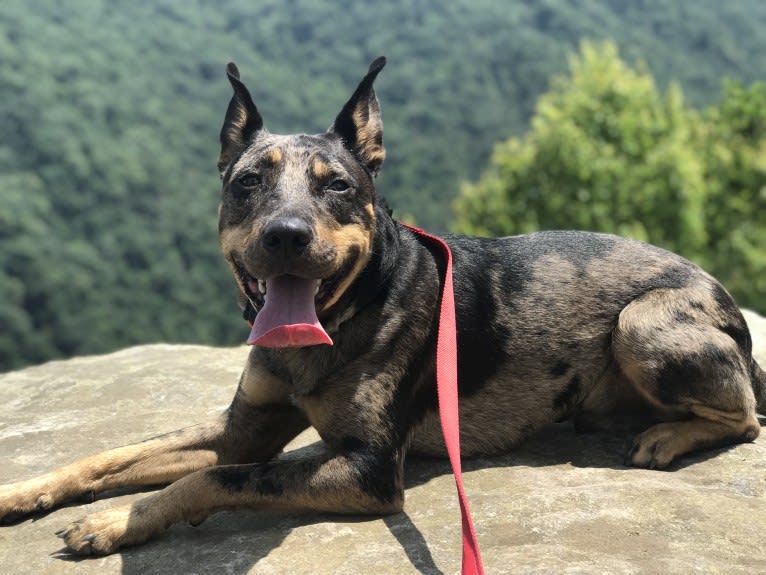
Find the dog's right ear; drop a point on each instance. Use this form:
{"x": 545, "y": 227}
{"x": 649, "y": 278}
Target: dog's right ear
{"x": 241, "y": 122}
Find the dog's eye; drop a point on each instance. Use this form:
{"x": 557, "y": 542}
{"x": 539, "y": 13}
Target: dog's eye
{"x": 249, "y": 181}
{"x": 338, "y": 186}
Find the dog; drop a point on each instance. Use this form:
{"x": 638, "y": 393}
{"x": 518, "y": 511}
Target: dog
{"x": 343, "y": 304}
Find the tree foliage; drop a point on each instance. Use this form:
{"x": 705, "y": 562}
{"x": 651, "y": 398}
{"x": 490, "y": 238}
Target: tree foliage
{"x": 608, "y": 152}
{"x": 110, "y": 112}
{"x": 733, "y": 151}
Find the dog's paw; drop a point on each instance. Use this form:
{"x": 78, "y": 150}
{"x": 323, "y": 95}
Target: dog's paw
{"x": 655, "y": 448}
{"x": 19, "y": 500}
{"x": 104, "y": 532}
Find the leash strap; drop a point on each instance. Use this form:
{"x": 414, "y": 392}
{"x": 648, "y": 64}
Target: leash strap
{"x": 446, "y": 384}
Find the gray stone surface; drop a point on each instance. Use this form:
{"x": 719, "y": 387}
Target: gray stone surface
{"x": 563, "y": 503}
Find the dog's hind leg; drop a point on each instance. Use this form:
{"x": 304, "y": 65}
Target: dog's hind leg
{"x": 687, "y": 351}
{"x": 257, "y": 425}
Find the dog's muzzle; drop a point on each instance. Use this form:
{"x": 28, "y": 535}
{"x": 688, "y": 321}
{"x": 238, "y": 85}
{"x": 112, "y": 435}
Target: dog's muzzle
{"x": 288, "y": 316}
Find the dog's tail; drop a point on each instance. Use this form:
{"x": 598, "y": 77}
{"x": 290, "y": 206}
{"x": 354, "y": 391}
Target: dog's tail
{"x": 758, "y": 377}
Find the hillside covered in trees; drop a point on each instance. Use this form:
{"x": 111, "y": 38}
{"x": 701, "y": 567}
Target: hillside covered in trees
{"x": 110, "y": 113}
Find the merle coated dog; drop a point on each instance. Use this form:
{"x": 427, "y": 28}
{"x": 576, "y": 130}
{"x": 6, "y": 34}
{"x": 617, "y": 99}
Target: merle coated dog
{"x": 343, "y": 302}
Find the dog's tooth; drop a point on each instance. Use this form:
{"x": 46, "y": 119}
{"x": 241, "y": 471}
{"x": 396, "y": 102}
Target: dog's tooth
{"x": 262, "y": 286}
{"x": 316, "y": 289}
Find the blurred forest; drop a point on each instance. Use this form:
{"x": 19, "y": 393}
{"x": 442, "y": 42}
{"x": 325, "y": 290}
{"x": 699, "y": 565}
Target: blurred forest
{"x": 110, "y": 111}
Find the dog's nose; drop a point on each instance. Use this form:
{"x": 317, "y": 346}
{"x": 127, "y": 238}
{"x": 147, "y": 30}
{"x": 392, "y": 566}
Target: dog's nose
{"x": 286, "y": 236}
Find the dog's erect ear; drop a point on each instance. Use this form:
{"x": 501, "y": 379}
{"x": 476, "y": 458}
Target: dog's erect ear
{"x": 359, "y": 124}
{"x": 242, "y": 120}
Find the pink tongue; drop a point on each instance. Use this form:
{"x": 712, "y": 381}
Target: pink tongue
{"x": 289, "y": 317}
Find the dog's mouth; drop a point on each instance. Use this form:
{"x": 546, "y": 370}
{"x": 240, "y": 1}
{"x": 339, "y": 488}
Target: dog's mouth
{"x": 286, "y": 307}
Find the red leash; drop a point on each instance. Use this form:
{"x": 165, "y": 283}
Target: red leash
{"x": 446, "y": 384}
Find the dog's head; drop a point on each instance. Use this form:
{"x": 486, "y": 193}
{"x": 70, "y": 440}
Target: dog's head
{"x": 297, "y": 218}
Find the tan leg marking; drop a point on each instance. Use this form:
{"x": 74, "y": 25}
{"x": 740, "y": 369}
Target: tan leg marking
{"x": 324, "y": 483}
{"x": 658, "y": 446}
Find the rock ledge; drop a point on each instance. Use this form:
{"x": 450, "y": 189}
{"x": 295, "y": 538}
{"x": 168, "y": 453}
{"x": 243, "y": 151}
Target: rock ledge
{"x": 562, "y": 503}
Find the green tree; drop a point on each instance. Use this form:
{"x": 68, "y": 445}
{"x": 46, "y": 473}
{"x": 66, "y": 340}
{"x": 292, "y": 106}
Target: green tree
{"x": 608, "y": 152}
{"x": 734, "y": 156}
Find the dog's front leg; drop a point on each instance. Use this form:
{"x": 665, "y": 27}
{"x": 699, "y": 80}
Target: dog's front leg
{"x": 257, "y": 425}
{"x": 355, "y": 482}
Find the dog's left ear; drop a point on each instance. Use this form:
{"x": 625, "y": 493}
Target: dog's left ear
{"x": 359, "y": 124}
{"x": 241, "y": 122}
